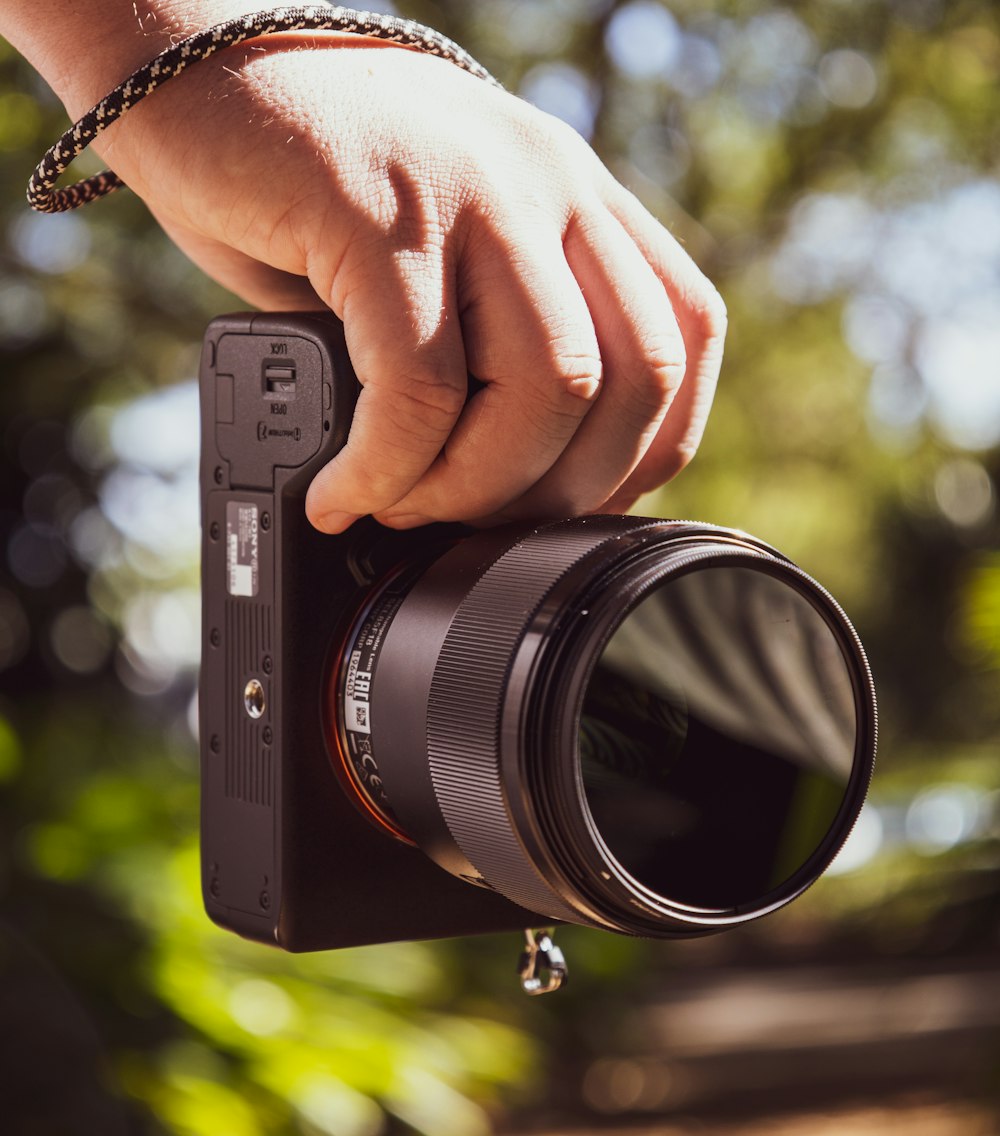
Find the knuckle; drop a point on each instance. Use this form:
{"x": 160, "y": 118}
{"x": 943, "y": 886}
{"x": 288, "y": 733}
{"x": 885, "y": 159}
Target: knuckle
{"x": 566, "y": 140}
{"x": 425, "y": 405}
{"x": 714, "y": 316}
{"x": 647, "y": 390}
{"x": 684, "y": 455}
{"x": 572, "y": 377}
{"x": 662, "y": 373}
{"x": 706, "y": 312}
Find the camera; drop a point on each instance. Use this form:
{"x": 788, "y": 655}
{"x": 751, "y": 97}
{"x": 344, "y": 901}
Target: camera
{"x": 655, "y": 727}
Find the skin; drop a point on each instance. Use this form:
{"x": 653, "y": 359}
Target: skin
{"x": 451, "y": 226}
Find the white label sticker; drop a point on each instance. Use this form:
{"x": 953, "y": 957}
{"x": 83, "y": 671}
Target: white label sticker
{"x": 356, "y": 692}
{"x": 356, "y": 716}
{"x": 242, "y": 548}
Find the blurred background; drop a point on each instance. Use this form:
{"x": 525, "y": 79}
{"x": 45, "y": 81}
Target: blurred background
{"x": 832, "y": 166}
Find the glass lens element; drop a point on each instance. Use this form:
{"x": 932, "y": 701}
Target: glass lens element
{"x": 717, "y": 737}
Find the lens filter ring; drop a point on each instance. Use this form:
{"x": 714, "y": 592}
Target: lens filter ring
{"x": 773, "y": 762}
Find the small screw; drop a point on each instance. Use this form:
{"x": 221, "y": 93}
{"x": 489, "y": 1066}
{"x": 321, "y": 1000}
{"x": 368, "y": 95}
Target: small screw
{"x": 265, "y": 521}
{"x": 214, "y": 888}
{"x": 268, "y": 735}
{"x": 220, "y": 475}
{"x": 265, "y": 900}
{"x": 215, "y": 637}
{"x": 267, "y": 665}
{"x": 214, "y": 531}
{"x": 214, "y": 743}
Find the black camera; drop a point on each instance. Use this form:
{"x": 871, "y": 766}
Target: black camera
{"x": 660, "y": 728}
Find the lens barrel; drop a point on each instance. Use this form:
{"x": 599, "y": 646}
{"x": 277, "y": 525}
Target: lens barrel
{"x": 660, "y": 728}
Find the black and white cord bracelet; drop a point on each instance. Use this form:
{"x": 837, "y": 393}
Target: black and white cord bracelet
{"x": 46, "y": 198}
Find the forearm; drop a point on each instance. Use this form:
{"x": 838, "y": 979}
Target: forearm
{"x": 83, "y": 48}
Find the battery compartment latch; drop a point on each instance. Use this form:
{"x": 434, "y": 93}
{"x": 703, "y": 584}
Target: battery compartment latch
{"x": 279, "y": 378}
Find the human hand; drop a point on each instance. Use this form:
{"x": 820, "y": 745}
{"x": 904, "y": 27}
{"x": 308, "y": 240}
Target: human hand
{"x": 454, "y": 229}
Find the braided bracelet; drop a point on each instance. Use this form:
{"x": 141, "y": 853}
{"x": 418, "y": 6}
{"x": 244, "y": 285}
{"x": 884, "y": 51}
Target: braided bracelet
{"x": 42, "y": 194}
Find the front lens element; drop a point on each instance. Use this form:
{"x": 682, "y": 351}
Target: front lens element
{"x": 717, "y": 737}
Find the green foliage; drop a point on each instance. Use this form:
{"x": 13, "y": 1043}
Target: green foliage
{"x": 982, "y": 609}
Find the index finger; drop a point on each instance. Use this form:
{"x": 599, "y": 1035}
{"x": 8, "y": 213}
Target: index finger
{"x": 410, "y": 360}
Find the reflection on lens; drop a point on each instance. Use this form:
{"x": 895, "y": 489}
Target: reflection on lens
{"x": 717, "y": 737}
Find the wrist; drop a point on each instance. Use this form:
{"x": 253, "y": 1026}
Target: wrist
{"x": 83, "y": 50}
{"x": 293, "y": 28}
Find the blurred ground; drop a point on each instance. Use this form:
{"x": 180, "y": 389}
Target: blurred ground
{"x": 850, "y": 1047}
{"x": 938, "y": 1118}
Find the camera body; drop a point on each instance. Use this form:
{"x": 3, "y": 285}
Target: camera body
{"x": 654, "y": 727}
{"x": 287, "y": 857}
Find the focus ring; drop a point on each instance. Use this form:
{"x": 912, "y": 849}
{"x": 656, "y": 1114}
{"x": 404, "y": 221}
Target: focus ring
{"x": 467, "y": 695}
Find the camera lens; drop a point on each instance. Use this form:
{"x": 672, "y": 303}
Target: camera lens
{"x": 659, "y": 728}
{"x": 717, "y": 736}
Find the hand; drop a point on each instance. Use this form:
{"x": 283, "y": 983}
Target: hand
{"x": 453, "y": 228}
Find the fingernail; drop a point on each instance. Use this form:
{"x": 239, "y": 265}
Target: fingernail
{"x": 335, "y": 522}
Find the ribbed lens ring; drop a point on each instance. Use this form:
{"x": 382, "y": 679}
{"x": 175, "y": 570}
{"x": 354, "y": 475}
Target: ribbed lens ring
{"x": 466, "y": 706}
{"x": 438, "y": 698}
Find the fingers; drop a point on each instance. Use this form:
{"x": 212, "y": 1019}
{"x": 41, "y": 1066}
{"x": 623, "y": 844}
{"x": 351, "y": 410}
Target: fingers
{"x": 598, "y": 349}
{"x": 599, "y": 357}
{"x": 644, "y": 359}
{"x": 701, "y": 318}
{"x": 406, "y": 346}
{"x": 529, "y": 337}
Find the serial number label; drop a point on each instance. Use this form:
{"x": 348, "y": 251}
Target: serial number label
{"x": 242, "y": 548}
